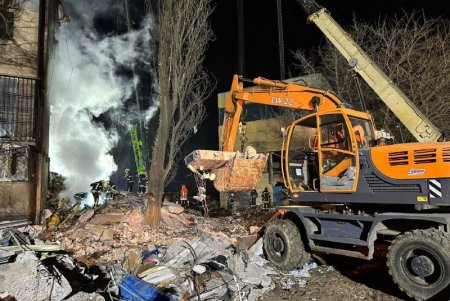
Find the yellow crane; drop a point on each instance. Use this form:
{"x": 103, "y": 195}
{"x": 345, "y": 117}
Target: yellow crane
{"x": 405, "y": 110}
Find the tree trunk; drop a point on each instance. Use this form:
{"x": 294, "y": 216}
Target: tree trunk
{"x": 156, "y": 189}
{"x": 158, "y": 172}
{"x": 153, "y": 214}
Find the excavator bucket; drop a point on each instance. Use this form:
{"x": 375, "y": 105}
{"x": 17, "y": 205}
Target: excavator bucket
{"x": 233, "y": 171}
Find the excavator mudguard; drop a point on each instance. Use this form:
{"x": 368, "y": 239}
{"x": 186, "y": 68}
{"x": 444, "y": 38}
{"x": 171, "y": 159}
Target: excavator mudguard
{"x": 234, "y": 171}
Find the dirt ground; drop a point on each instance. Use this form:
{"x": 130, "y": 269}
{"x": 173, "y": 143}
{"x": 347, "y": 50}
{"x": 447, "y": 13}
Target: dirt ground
{"x": 342, "y": 279}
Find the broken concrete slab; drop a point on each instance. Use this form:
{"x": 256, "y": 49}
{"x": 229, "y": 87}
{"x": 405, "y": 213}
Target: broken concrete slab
{"x": 28, "y": 279}
{"x": 174, "y": 208}
{"x": 86, "y": 215}
{"x": 244, "y": 242}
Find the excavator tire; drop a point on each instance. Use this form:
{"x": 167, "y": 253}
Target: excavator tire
{"x": 283, "y": 245}
{"x": 419, "y": 263}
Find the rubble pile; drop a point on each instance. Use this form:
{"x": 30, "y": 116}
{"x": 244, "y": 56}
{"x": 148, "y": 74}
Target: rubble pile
{"x": 116, "y": 228}
{"x": 108, "y": 253}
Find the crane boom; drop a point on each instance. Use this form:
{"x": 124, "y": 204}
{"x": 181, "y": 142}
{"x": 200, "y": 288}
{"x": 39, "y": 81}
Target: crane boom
{"x": 405, "y": 110}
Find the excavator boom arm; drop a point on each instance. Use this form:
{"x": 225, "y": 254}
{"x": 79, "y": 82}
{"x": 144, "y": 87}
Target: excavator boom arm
{"x": 273, "y": 93}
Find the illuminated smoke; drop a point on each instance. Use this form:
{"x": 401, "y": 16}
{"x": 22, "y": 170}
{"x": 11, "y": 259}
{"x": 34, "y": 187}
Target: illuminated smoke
{"x": 84, "y": 84}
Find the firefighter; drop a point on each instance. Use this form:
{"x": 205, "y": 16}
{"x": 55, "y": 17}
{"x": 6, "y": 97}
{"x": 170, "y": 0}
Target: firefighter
{"x": 266, "y": 198}
{"x": 109, "y": 188}
{"x": 253, "y": 196}
{"x": 184, "y": 196}
{"x": 142, "y": 182}
{"x": 232, "y": 202}
{"x": 130, "y": 180}
{"x": 96, "y": 190}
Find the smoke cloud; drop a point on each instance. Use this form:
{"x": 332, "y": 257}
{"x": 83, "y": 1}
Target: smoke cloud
{"x": 85, "y": 83}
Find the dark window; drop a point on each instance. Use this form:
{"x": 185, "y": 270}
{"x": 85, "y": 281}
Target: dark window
{"x": 6, "y": 25}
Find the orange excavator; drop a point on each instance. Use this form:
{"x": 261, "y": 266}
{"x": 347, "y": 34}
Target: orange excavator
{"x": 348, "y": 192}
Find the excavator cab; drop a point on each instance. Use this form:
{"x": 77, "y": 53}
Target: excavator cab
{"x": 321, "y": 150}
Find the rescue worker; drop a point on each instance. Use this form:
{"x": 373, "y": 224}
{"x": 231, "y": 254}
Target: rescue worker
{"x": 142, "y": 183}
{"x": 253, "y": 196}
{"x": 184, "y": 196}
{"x": 266, "y": 198}
{"x": 109, "y": 188}
{"x": 130, "y": 180}
{"x": 232, "y": 202}
{"x": 96, "y": 190}
{"x": 359, "y": 135}
{"x": 201, "y": 198}
{"x": 382, "y": 142}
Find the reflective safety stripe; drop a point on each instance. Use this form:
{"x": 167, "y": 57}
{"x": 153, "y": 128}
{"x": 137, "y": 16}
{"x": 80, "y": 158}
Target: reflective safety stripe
{"x": 434, "y": 188}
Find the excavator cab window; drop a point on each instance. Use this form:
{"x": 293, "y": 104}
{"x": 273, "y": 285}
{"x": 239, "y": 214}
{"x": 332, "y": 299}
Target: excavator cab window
{"x": 302, "y": 164}
{"x": 363, "y": 131}
{"x": 337, "y": 154}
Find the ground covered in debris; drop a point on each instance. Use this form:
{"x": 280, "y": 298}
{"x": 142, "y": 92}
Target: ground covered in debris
{"x": 108, "y": 254}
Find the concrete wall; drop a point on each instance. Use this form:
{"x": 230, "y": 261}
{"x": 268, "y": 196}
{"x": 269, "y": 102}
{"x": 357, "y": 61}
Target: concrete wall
{"x": 17, "y": 200}
{"x": 19, "y": 57}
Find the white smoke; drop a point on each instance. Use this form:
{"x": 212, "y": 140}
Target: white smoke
{"x": 84, "y": 84}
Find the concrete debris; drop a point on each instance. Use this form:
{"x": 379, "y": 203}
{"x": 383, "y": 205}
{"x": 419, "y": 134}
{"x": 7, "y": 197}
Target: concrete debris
{"x": 234, "y": 171}
{"x": 85, "y": 216}
{"x": 28, "y": 279}
{"x": 5, "y": 296}
{"x": 304, "y": 270}
{"x": 132, "y": 262}
{"x": 254, "y": 230}
{"x": 108, "y": 254}
{"x": 287, "y": 283}
{"x": 174, "y": 208}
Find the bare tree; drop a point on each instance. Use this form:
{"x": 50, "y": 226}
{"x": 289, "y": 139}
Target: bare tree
{"x": 412, "y": 50}
{"x": 183, "y": 33}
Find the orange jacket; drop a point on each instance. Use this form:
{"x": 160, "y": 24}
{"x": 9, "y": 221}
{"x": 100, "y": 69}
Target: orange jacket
{"x": 184, "y": 192}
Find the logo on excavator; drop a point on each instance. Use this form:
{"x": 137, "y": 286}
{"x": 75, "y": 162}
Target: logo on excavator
{"x": 282, "y": 101}
{"x": 416, "y": 172}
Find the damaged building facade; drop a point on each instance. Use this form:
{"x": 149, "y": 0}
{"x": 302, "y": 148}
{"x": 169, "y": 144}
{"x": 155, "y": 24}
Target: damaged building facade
{"x": 26, "y": 45}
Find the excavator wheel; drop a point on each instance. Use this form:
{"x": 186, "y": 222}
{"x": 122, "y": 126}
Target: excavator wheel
{"x": 419, "y": 263}
{"x": 283, "y": 245}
